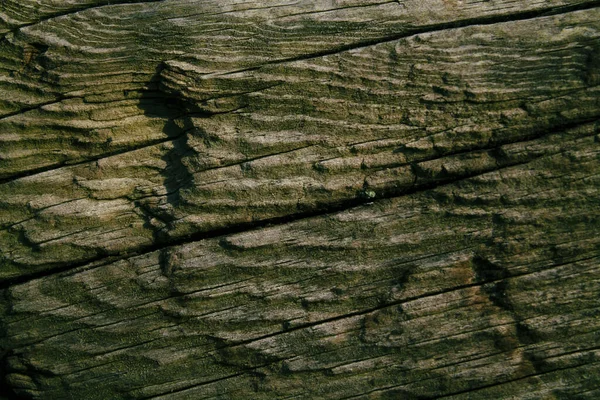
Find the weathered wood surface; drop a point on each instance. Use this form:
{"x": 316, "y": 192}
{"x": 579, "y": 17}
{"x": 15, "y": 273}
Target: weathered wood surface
{"x": 294, "y": 199}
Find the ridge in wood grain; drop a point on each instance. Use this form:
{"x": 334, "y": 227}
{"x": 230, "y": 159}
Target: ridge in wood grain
{"x": 80, "y": 82}
{"x": 310, "y": 135}
{"x": 437, "y": 294}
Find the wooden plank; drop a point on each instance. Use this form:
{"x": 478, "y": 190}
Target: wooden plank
{"x": 484, "y": 288}
{"x": 293, "y": 199}
{"x": 71, "y": 76}
{"x": 326, "y": 133}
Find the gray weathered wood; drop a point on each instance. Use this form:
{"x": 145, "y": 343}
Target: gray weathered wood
{"x": 345, "y": 199}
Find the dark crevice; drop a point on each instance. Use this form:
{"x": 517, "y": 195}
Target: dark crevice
{"x": 176, "y": 175}
{"x": 6, "y": 391}
{"x": 485, "y": 270}
{"x": 497, "y": 294}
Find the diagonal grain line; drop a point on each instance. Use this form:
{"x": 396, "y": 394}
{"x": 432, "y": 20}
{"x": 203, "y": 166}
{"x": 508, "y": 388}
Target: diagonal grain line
{"x": 526, "y": 15}
{"x": 78, "y": 10}
{"x": 56, "y": 166}
{"x": 393, "y": 304}
{"x": 189, "y": 387}
{"x": 338, "y": 9}
{"x": 24, "y": 110}
{"x": 482, "y": 21}
{"x": 329, "y": 209}
{"x": 513, "y": 380}
{"x": 481, "y": 387}
{"x": 247, "y": 370}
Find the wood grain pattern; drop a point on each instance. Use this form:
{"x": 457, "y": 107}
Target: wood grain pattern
{"x": 294, "y": 199}
{"x": 72, "y": 82}
{"x": 432, "y": 294}
{"x": 323, "y": 132}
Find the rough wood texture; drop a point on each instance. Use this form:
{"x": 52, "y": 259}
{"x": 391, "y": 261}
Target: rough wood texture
{"x": 294, "y": 199}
